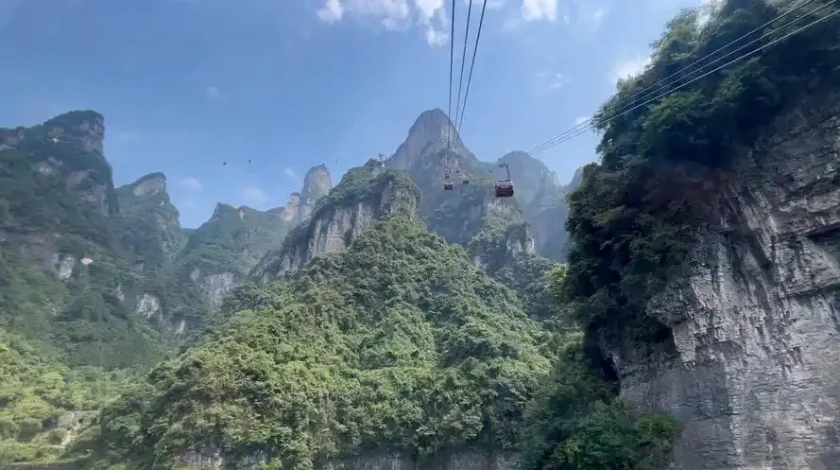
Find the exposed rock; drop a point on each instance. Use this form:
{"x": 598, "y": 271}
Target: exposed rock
{"x": 64, "y": 266}
{"x": 218, "y": 285}
{"x": 427, "y": 136}
{"x": 752, "y": 369}
{"x": 212, "y": 459}
{"x": 316, "y": 185}
{"x": 148, "y": 305}
{"x": 151, "y": 184}
{"x": 341, "y": 217}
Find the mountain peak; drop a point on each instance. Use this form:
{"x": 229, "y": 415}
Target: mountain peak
{"x": 431, "y": 118}
{"x": 86, "y": 127}
{"x": 316, "y": 184}
{"x": 153, "y": 183}
{"x": 429, "y": 135}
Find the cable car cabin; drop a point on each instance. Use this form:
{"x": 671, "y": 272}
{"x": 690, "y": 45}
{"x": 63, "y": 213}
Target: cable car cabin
{"x": 448, "y": 186}
{"x": 504, "y": 188}
{"x": 465, "y": 180}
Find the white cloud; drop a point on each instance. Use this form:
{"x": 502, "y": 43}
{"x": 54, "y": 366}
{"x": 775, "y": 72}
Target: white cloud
{"x": 189, "y": 204}
{"x": 193, "y": 184}
{"x": 331, "y": 12}
{"x": 533, "y": 10}
{"x": 213, "y": 92}
{"x": 628, "y": 68}
{"x": 393, "y": 15}
{"x": 580, "y": 120}
{"x": 254, "y": 195}
{"x": 290, "y": 172}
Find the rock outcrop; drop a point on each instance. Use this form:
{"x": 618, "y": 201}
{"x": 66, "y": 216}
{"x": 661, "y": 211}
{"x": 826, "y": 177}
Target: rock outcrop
{"x": 752, "y": 369}
{"x": 365, "y": 194}
{"x": 316, "y": 184}
{"x": 150, "y": 226}
{"x": 423, "y": 156}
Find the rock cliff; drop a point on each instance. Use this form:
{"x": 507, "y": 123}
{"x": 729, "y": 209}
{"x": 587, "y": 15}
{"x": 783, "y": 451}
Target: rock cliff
{"x": 316, "y": 184}
{"x": 752, "y": 368}
{"x": 365, "y": 194}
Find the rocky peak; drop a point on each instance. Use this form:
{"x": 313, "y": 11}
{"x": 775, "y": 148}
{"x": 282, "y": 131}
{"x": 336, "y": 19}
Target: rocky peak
{"x": 222, "y": 210}
{"x": 85, "y": 127}
{"x": 364, "y": 195}
{"x": 294, "y": 199}
{"x": 427, "y": 136}
{"x": 149, "y": 185}
{"x": 316, "y": 184}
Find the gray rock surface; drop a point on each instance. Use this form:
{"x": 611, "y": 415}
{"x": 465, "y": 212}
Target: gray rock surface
{"x": 753, "y": 371}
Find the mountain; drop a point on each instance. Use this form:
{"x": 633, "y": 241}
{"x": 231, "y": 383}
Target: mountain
{"x": 459, "y": 215}
{"x": 316, "y": 184}
{"x": 361, "y": 356}
{"x": 150, "y": 228}
{"x": 364, "y": 195}
{"x": 705, "y": 267}
{"x": 65, "y": 279}
{"x": 95, "y": 278}
{"x": 544, "y": 203}
{"x": 113, "y": 266}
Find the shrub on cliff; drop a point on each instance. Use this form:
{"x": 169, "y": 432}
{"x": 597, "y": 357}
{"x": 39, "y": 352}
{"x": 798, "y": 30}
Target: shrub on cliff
{"x": 634, "y": 217}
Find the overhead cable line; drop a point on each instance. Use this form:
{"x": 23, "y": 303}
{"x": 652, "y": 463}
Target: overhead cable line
{"x": 463, "y": 60}
{"x": 653, "y": 88}
{"x": 550, "y": 144}
{"x": 451, "y": 63}
{"x": 472, "y": 64}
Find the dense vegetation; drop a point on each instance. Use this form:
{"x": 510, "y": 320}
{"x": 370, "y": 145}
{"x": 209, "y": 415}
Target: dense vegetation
{"x": 56, "y": 208}
{"x": 43, "y": 403}
{"x": 576, "y": 423}
{"x": 399, "y": 343}
{"x": 635, "y": 216}
{"x": 76, "y": 256}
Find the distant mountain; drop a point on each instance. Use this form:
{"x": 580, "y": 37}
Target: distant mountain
{"x": 316, "y": 184}
{"x": 107, "y": 275}
{"x": 457, "y": 215}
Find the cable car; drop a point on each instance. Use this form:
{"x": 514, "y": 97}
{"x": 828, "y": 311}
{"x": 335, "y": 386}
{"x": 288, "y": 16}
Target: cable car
{"x": 447, "y": 184}
{"x": 504, "y": 188}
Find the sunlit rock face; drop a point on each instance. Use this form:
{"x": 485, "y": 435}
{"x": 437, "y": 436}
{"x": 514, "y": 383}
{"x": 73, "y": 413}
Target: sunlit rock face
{"x": 753, "y": 366}
{"x": 339, "y": 221}
{"x": 316, "y": 184}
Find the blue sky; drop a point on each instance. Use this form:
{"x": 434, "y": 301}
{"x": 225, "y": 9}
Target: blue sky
{"x": 187, "y": 84}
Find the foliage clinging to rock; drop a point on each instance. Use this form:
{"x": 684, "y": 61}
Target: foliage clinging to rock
{"x": 634, "y": 218}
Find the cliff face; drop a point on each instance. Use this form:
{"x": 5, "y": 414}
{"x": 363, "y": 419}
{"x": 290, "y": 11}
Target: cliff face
{"x": 457, "y": 215}
{"x": 364, "y": 195}
{"x": 753, "y": 368}
{"x": 316, "y": 184}
{"x": 151, "y": 230}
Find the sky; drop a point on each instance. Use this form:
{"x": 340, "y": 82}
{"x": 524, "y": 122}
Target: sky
{"x": 186, "y": 85}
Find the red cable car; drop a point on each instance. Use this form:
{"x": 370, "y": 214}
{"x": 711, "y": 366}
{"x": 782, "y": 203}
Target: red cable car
{"x": 504, "y": 188}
